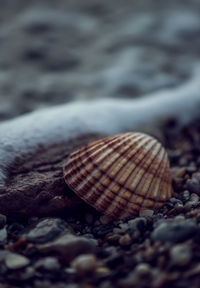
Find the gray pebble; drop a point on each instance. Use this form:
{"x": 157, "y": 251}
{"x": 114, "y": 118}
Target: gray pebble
{"x": 48, "y": 263}
{"x": 193, "y": 186}
{"x": 45, "y": 230}
{"x": 68, "y": 246}
{"x": 181, "y": 254}
{"x": 85, "y": 264}
{"x": 174, "y": 231}
{"x": 16, "y": 261}
{"x": 3, "y": 236}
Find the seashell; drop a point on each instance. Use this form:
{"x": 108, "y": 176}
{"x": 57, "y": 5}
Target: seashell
{"x": 121, "y": 175}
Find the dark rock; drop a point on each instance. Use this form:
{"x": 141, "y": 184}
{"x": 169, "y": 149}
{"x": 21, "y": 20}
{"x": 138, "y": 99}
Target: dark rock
{"x": 174, "y": 231}
{"x": 102, "y": 230}
{"x": 36, "y": 185}
{"x": 2, "y": 221}
{"x": 45, "y": 230}
{"x": 15, "y": 227}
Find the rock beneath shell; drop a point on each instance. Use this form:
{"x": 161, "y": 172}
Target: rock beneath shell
{"x": 174, "y": 231}
{"x": 16, "y": 261}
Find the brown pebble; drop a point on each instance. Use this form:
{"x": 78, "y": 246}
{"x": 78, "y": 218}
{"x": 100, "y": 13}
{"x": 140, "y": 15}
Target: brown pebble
{"x": 84, "y": 264}
{"x": 125, "y": 240}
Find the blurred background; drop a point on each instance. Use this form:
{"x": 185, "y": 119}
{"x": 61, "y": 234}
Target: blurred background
{"x": 52, "y": 51}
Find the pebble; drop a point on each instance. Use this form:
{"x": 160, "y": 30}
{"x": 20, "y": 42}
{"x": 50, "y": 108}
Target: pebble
{"x": 3, "y": 220}
{"x": 48, "y": 263}
{"x": 193, "y": 186}
{"x": 45, "y": 230}
{"x": 68, "y": 246}
{"x": 146, "y": 213}
{"x": 194, "y": 199}
{"x": 142, "y": 269}
{"x": 125, "y": 240}
{"x": 16, "y": 261}
{"x": 104, "y": 219}
{"x": 174, "y": 231}
{"x": 3, "y": 236}
{"x": 185, "y": 195}
{"x": 180, "y": 254}
{"x": 138, "y": 223}
{"x": 85, "y": 264}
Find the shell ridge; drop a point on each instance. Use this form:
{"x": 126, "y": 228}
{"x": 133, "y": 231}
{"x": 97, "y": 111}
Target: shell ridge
{"x": 112, "y": 179}
{"x": 127, "y": 188}
{"x": 102, "y": 171}
{"x": 149, "y": 160}
{"x": 83, "y": 168}
{"x": 162, "y": 182}
{"x": 155, "y": 181}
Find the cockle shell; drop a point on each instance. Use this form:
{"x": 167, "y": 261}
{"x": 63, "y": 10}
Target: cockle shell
{"x": 121, "y": 174}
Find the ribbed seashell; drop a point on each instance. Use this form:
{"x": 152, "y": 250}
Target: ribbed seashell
{"x": 121, "y": 174}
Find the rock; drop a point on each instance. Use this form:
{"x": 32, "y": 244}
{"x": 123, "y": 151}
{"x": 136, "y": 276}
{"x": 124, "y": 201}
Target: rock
{"x": 104, "y": 219}
{"x": 3, "y": 236}
{"x": 37, "y": 187}
{"x": 16, "y": 261}
{"x": 69, "y": 246}
{"x": 48, "y": 263}
{"x": 45, "y": 230}
{"x": 3, "y": 220}
{"x": 125, "y": 240}
{"x": 174, "y": 231}
{"x": 103, "y": 229}
{"x": 180, "y": 254}
{"x": 193, "y": 186}
{"x": 85, "y": 264}
{"x": 142, "y": 270}
{"x": 146, "y": 213}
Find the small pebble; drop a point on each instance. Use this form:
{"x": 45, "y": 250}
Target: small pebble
{"x": 16, "y": 261}
{"x": 174, "y": 231}
{"x": 3, "y": 220}
{"x": 142, "y": 269}
{"x": 48, "y": 263}
{"x": 193, "y": 186}
{"x": 104, "y": 219}
{"x": 180, "y": 254}
{"x": 3, "y": 236}
{"x": 125, "y": 240}
{"x": 85, "y": 264}
{"x": 146, "y": 213}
